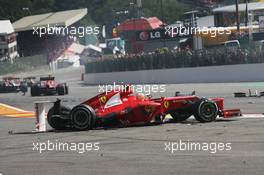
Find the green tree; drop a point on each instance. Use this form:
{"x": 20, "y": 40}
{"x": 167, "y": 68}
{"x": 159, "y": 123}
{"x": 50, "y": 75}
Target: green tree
{"x": 100, "y": 11}
{"x": 169, "y": 10}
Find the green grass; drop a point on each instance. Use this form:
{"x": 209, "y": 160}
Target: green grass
{"x": 253, "y": 84}
{"x": 23, "y": 64}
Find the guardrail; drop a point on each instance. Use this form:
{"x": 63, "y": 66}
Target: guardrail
{"x": 209, "y": 74}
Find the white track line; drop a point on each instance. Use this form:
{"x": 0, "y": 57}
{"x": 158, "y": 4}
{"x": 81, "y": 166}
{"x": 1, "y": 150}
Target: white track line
{"x": 251, "y": 116}
{"x": 245, "y": 116}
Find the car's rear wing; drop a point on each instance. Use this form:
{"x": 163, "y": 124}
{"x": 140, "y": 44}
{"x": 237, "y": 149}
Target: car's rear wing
{"x": 47, "y": 78}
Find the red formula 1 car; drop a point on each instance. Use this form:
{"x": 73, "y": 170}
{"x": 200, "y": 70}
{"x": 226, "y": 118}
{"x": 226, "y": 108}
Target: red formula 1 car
{"x": 124, "y": 108}
{"x": 48, "y": 86}
{"x": 10, "y": 84}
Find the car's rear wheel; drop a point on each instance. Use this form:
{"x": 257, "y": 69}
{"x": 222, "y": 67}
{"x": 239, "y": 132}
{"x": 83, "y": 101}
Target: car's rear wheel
{"x": 66, "y": 89}
{"x": 206, "y": 111}
{"x": 61, "y": 90}
{"x": 34, "y": 91}
{"x": 2, "y": 89}
{"x": 59, "y": 122}
{"x": 180, "y": 117}
{"x": 83, "y": 117}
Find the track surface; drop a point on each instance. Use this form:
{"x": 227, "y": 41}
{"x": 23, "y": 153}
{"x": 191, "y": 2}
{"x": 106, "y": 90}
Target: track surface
{"x": 137, "y": 150}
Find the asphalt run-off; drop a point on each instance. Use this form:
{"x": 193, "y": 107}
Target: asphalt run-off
{"x": 135, "y": 150}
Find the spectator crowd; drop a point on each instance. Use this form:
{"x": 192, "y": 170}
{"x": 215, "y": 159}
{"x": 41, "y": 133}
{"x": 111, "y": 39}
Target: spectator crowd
{"x": 166, "y": 59}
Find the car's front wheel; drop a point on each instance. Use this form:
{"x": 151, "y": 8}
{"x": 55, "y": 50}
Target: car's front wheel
{"x": 206, "y": 111}
{"x": 83, "y": 117}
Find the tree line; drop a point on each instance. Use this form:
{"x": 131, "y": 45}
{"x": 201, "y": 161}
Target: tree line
{"x": 100, "y": 11}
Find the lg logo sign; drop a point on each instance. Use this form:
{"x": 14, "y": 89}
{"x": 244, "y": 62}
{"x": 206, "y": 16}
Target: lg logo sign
{"x": 155, "y": 35}
{"x": 144, "y": 36}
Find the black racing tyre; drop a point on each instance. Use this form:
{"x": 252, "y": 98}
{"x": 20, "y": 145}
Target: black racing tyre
{"x": 66, "y": 90}
{"x": 180, "y": 117}
{"x": 2, "y": 87}
{"x": 57, "y": 122}
{"x": 61, "y": 90}
{"x": 206, "y": 111}
{"x": 83, "y": 117}
{"x": 34, "y": 91}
